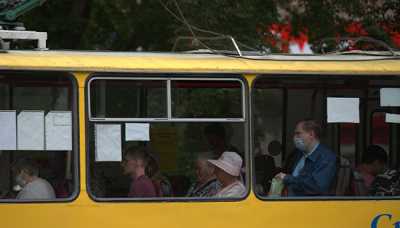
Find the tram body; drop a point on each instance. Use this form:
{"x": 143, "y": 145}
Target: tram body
{"x": 80, "y": 78}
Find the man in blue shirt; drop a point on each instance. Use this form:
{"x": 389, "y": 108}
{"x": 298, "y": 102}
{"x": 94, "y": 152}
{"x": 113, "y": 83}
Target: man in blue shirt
{"x": 314, "y": 168}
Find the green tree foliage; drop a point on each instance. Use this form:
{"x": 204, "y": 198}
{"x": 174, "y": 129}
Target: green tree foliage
{"x": 343, "y": 18}
{"x": 154, "y": 25}
{"x": 239, "y": 19}
{"x": 105, "y": 25}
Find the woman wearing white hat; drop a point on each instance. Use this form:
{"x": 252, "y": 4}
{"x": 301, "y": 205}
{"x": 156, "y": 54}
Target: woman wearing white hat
{"x": 227, "y": 171}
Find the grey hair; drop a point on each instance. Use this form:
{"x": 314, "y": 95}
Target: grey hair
{"x": 29, "y": 166}
{"x": 206, "y": 156}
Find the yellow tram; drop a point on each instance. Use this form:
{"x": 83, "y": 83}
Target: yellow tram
{"x": 76, "y": 112}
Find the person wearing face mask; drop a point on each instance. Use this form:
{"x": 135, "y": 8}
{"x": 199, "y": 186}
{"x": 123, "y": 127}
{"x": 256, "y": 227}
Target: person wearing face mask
{"x": 33, "y": 187}
{"x": 314, "y": 167}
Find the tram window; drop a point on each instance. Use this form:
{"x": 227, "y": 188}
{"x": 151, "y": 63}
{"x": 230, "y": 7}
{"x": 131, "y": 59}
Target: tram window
{"x": 197, "y": 100}
{"x": 37, "y": 135}
{"x": 299, "y": 98}
{"x": 128, "y": 98}
{"x": 170, "y": 153}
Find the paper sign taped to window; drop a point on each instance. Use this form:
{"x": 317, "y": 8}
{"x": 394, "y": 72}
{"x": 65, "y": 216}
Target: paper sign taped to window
{"x": 8, "y": 130}
{"x": 58, "y": 130}
{"x": 390, "y": 97}
{"x": 392, "y": 118}
{"x": 30, "y": 130}
{"x": 108, "y": 142}
{"x": 343, "y": 110}
{"x": 137, "y": 132}
{"x": 61, "y": 118}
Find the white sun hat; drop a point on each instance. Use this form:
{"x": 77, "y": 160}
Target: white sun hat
{"x": 230, "y": 162}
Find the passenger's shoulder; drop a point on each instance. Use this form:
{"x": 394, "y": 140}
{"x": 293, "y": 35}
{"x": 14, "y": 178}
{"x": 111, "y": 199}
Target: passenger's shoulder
{"x": 328, "y": 153}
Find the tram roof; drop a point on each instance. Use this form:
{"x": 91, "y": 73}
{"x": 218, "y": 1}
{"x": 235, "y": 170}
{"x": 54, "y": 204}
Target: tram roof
{"x": 251, "y": 63}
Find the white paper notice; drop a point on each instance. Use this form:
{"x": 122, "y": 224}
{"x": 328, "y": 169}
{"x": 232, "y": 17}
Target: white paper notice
{"x": 30, "y": 130}
{"x": 108, "y": 142}
{"x": 8, "y": 130}
{"x": 343, "y": 110}
{"x": 390, "y": 97}
{"x": 59, "y": 130}
{"x": 392, "y": 118}
{"x": 137, "y": 132}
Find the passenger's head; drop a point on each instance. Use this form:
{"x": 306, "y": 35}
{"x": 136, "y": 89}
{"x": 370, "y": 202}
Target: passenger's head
{"x": 204, "y": 169}
{"x": 25, "y": 170}
{"x": 227, "y": 167}
{"x": 306, "y": 134}
{"x": 153, "y": 166}
{"x": 376, "y": 157}
{"x": 215, "y": 135}
{"x": 135, "y": 159}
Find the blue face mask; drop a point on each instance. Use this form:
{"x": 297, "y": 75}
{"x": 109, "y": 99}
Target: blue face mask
{"x": 299, "y": 144}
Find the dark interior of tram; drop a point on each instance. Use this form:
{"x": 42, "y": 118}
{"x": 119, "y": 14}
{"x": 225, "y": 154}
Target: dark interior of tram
{"x": 279, "y": 103}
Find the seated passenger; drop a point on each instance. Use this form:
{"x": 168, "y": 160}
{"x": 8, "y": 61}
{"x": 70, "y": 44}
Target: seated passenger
{"x": 33, "y": 187}
{"x": 373, "y": 163}
{"x": 161, "y": 183}
{"x": 134, "y": 164}
{"x": 227, "y": 171}
{"x": 314, "y": 167}
{"x": 386, "y": 184}
{"x": 206, "y": 184}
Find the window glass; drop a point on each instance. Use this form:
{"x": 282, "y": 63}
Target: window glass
{"x": 380, "y": 130}
{"x": 37, "y": 156}
{"x": 267, "y": 140}
{"x": 334, "y": 118}
{"x": 207, "y": 99}
{"x": 168, "y": 158}
{"x": 128, "y": 98}
{"x": 348, "y": 141}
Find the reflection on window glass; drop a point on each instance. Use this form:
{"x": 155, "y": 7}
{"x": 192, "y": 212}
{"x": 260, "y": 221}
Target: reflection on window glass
{"x": 36, "y": 151}
{"x": 353, "y": 159}
{"x": 35, "y": 98}
{"x": 128, "y": 98}
{"x": 207, "y": 99}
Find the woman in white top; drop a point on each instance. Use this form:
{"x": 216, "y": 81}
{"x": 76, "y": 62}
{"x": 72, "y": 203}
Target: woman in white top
{"x": 33, "y": 187}
{"x": 227, "y": 171}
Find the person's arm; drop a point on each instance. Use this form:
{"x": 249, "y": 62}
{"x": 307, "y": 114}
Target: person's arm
{"x": 25, "y": 194}
{"x": 315, "y": 183}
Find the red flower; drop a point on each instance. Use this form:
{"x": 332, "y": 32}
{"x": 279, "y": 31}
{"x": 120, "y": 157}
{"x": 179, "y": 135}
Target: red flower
{"x": 301, "y": 40}
{"x": 355, "y": 28}
{"x": 395, "y": 38}
{"x": 282, "y": 36}
{"x": 274, "y": 28}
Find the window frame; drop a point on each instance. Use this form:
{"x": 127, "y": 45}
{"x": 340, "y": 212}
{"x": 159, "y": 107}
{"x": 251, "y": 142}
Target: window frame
{"x": 75, "y": 152}
{"x": 304, "y": 76}
{"x": 169, "y": 116}
{"x": 171, "y": 76}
